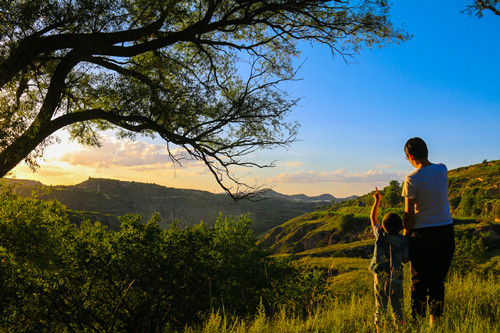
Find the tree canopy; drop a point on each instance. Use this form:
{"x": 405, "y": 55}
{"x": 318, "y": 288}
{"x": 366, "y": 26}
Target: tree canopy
{"x": 58, "y": 277}
{"x": 202, "y": 75}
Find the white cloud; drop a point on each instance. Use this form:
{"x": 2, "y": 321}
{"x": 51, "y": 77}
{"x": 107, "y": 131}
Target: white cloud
{"x": 385, "y": 166}
{"x": 339, "y": 176}
{"x": 294, "y": 163}
{"x": 125, "y": 153}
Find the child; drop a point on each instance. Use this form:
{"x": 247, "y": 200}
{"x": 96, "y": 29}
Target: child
{"x": 391, "y": 250}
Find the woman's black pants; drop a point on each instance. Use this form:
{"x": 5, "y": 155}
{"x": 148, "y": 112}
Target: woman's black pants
{"x": 431, "y": 251}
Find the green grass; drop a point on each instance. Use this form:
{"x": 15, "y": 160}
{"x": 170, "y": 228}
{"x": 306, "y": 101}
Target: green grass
{"x": 340, "y": 264}
{"x": 494, "y": 262}
{"x": 472, "y": 306}
{"x": 355, "y": 210}
{"x": 337, "y": 249}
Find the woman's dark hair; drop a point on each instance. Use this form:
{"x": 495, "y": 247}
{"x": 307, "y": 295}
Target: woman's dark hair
{"x": 417, "y": 148}
{"x": 392, "y": 223}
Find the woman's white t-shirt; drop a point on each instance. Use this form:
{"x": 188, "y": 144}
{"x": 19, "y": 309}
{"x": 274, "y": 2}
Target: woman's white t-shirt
{"x": 429, "y": 186}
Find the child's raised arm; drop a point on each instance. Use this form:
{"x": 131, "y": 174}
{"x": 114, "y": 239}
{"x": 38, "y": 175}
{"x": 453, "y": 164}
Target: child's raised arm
{"x": 373, "y": 216}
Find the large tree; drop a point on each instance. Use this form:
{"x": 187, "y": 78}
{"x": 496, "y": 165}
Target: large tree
{"x": 203, "y": 75}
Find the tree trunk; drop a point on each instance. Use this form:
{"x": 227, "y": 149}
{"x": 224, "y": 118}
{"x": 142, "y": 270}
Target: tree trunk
{"x": 13, "y": 154}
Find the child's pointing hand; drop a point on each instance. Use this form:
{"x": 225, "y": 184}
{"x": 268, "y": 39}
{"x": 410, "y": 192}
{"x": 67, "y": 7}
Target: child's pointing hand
{"x": 377, "y": 196}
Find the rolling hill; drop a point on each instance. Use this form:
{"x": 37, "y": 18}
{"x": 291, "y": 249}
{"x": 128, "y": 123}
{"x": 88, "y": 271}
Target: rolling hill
{"x": 343, "y": 229}
{"x": 105, "y": 199}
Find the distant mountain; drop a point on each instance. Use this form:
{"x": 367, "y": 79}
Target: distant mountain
{"x": 105, "y": 199}
{"x": 302, "y": 197}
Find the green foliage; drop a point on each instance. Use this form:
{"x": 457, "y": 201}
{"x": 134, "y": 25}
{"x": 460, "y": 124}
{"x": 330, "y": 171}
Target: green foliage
{"x": 470, "y": 252}
{"x": 474, "y": 190}
{"x": 305, "y": 293}
{"x": 350, "y": 223}
{"x": 391, "y": 195}
{"x": 346, "y": 223}
{"x": 59, "y": 277}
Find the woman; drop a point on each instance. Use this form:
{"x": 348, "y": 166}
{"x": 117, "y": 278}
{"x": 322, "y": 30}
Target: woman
{"x": 428, "y": 221}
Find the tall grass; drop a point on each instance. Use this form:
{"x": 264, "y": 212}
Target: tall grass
{"x": 472, "y": 306}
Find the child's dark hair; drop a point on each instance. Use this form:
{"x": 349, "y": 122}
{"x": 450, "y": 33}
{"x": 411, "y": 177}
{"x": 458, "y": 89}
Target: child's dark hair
{"x": 392, "y": 223}
{"x": 417, "y": 148}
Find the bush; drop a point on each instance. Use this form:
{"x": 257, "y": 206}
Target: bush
{"x": 470, "y": 252}
{"x": 349, "y": 223}
{"x": 58, "y": 277}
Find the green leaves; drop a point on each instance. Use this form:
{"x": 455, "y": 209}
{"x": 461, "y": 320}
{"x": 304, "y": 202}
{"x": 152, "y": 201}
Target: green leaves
{"x": 205, "y": 76}
{"x": 59, "y": 277}
{"x": 470, "y": 252}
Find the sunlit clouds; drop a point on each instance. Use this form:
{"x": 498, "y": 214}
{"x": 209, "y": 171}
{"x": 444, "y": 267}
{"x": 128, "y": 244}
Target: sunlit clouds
{"x": 386, "y": 166}
{"x": 294, "y": 163}
{"x": 68, "y": 163}
{"x": 340, "y": 176}
{"x": 137, "y": 155}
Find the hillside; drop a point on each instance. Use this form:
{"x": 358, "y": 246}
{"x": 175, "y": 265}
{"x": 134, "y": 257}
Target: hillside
{"x": 343, "y": 229}
{"x": 105, "y": 199}
{"x": 475, "y": 190}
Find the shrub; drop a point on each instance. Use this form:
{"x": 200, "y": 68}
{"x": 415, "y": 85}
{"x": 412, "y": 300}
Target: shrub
{"x": 470, "y": 252}
{"x": 349, "y": 223}
{"x": 58, "y": 277}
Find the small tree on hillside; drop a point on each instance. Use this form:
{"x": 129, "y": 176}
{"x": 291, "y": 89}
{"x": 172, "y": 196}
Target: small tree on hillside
{"x": 202, "y": 75}
{"x": 392, "y": 194}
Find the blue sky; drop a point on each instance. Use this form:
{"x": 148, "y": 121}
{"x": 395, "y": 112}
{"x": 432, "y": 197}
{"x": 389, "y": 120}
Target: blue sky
{"x": 442, "y": 85}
